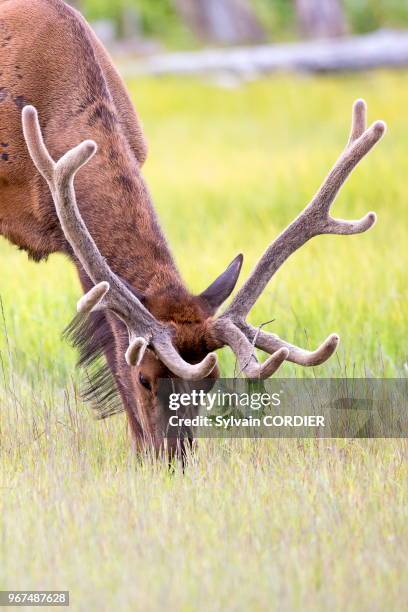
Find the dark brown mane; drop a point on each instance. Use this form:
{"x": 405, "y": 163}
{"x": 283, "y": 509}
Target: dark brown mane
{"x": 92, "y": 336}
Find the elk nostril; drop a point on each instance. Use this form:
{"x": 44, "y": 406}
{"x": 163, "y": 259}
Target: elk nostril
{"x": 144, "y": 382}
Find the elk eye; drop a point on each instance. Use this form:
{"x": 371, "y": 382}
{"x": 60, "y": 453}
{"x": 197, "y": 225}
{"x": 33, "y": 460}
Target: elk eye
{"x": 144, "y": 382}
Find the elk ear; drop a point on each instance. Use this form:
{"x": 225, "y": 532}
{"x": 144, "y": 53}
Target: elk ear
{"x": 223, "y": 286}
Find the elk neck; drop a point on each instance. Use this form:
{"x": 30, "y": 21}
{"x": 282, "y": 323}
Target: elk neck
{"x": 117, "y": 209}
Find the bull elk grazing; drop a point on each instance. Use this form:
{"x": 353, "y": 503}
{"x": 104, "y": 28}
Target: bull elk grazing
{"x": 141, "y": 316}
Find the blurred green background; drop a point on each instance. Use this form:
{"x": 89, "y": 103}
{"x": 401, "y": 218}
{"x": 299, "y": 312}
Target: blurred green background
{"x": 166, "y": 21}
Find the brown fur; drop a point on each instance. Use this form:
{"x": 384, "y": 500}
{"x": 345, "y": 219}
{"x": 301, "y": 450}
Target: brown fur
{"x": 51, "y": 59}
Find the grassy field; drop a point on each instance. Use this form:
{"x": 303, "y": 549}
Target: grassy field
{"x": 250, "y": 525}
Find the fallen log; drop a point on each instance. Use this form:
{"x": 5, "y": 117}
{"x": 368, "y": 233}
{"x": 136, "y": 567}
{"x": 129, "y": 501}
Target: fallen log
{"x": 384, "y": 48}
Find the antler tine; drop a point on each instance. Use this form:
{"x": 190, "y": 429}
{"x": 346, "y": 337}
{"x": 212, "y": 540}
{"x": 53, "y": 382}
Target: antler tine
{"x": 93, "y": 299}
{"x": 353, "y": 154}
{"x": 35, "y": 143}
{"x": 170, "y": 357}
{"x": 136, "y": 351}
{"x": 358, "y": 120}
{"x": 361, "y": 141}
{"x": 244, "y": 350}
{"x": 109, "y": 291}
{"x": 270, "y": 343}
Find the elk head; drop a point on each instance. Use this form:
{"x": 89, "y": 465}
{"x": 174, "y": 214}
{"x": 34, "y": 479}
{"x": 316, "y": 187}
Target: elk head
{"x": 159, "y": 344}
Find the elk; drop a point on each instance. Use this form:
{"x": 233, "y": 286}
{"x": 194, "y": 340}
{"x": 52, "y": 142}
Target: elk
{"x": 59, "y": 87}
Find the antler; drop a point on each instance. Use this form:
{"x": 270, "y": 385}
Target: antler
{"x": 109, "y": 291}
{"x": 314, "y": 220}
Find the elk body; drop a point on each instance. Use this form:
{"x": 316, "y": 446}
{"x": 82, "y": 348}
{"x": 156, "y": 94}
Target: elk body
{"x": 58, "y": 87}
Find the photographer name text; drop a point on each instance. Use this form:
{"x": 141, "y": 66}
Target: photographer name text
{"x": 269, "y": 420}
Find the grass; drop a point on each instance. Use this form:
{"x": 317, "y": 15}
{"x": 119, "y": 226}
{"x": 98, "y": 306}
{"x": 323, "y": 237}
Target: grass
{"x": 251, "y": 524}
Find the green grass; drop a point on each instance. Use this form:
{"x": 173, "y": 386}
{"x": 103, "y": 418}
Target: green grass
{"x": 250, "y": 525}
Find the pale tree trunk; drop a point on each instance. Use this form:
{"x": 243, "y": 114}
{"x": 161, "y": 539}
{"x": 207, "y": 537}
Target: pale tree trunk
{"x": 129, "y": 25}
{"x": 222, "y": 21}
{"x": 321, "y": 18}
